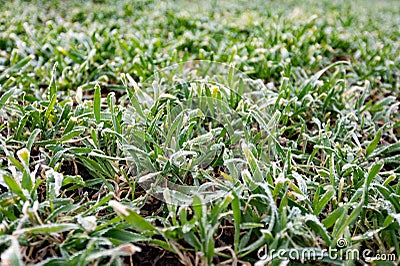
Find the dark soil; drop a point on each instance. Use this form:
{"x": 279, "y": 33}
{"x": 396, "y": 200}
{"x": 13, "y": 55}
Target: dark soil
{"x": 152, "y": 256}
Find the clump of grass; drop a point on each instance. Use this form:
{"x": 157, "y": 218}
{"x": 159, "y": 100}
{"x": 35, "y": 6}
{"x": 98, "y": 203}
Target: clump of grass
{"x": 309, "y": 160}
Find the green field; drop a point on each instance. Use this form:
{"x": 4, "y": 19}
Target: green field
{"x": 200, "y": 132}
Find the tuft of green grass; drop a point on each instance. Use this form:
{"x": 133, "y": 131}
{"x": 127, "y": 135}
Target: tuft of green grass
{"x": 199, "y": 133}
